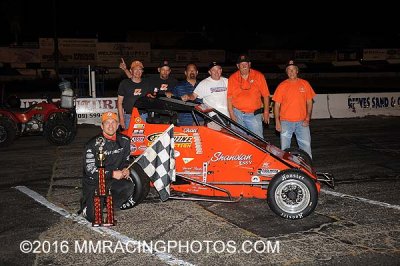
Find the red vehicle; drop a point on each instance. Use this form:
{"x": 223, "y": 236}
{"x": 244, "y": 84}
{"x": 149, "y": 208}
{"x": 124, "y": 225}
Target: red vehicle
{"x": 224, "y": 159}
{"x": 55, "y": 120}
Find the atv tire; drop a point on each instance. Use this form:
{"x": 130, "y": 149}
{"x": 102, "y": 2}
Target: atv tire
{"x": 59, "y": 131}
{"x": 8, "y": 132}
{"x": 300, "y": 154}
{"x": 292, "y": 194}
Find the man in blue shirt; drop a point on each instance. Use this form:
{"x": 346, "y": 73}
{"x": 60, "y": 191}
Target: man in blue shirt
{"x": 186, "y": 87}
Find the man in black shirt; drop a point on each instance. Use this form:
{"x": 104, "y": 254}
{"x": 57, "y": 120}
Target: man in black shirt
{"x": 116, "y": 148}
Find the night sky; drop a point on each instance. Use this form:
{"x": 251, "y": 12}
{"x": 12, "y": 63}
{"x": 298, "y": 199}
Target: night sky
{"x": 250, "y": 27}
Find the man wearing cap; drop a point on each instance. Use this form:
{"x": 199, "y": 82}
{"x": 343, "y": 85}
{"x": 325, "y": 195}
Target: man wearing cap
{"x": 129, "y": 91}
{"x": 212, "y": 89}
{"x": 293, "y": 107}
{"x": 164, "y": 82}
{"x": 162, "y": 85}
{"x": 246, "y": 87}
{"x": 116, "y": 148}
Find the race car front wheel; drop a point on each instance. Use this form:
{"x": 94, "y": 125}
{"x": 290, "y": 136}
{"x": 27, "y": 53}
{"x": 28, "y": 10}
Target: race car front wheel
{"x": 292, "y": 194}
{"x": 142, "y": 184}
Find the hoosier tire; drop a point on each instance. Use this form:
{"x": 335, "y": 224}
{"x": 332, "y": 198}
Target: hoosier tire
{"x": 292, "y": 194}
{"x": 142, "y": 184}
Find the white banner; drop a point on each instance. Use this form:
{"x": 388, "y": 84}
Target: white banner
{"x": 364, "y": 104}
{"x": 89, "y": 110}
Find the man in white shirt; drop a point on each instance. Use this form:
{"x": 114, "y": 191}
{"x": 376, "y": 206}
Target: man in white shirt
{"x": 212, "y": 90}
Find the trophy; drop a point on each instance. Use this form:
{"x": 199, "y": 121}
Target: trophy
{"x": 102, "y": 218}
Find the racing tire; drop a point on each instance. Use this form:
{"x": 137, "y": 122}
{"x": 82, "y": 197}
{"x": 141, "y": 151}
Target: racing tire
{"x": 142, "y": 184}
{"x": 300, "y": 154}
{"x": 8, "y": 132}
{"x": 292, "y": 194}
{"x": 59, "y": 131}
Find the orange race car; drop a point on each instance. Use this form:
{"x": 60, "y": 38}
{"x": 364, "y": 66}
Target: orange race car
{"x": 223, "y": 161}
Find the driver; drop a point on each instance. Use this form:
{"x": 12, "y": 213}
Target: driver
{"x": 116, "y": 148}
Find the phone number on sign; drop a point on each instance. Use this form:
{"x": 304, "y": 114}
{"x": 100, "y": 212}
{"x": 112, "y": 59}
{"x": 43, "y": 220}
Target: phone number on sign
{"x": 91, "y": 115}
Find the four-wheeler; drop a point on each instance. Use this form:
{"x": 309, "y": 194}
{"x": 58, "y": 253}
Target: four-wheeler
{"x": 223, "y": 161}
{"x": 55, "y": 120}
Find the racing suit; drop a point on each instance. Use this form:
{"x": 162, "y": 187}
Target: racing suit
{"x": 116, "y": 158}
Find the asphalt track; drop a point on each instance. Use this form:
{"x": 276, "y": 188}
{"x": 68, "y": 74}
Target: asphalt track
{"x": 357, "y": 223}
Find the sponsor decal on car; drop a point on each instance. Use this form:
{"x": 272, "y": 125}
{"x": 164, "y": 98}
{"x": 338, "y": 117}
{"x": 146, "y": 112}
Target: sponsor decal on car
{"x": 181, "y": 140}
{"x": 268, "y": 172}
{"x": 138, "y": 132}
{"x": 141, "y": 126}
{"x": 187, "y": 160}
{"x": 190, "y": 130}
{"x": 138, "y": 138}
{"x": 219, "y": 156}
{"x": 133, "y": 148}
{"x": 197, "y": 143}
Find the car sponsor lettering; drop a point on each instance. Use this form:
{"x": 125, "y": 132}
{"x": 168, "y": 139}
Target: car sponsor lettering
{"x": 138, "y": 138}
{"x": 181, "y": 140}
{"x": 138, "y": 132}
{"x": 268, "y": 172}
{"x": 141, "y": 126}
{"x": 219, "y": 156}
{"x": 190, "y": 130}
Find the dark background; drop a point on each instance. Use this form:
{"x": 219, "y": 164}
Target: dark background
{"x": 328, "y": 25}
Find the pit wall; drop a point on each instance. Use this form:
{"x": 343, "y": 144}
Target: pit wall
{"x": 343, "y": 105}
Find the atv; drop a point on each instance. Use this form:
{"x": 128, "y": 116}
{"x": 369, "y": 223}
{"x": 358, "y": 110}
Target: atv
{"x": 220, "y": 160}
{"x": 57, "y": 121}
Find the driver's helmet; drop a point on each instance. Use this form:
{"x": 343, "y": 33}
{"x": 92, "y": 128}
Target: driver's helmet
{"x": 13, "y": 101}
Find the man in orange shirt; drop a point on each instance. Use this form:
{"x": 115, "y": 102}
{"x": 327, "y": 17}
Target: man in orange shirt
{"x": 293, "y": 107}
{"x": 245, "y": 89}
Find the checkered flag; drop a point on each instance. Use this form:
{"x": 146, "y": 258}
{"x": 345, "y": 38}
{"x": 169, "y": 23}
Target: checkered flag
{"x": 158, "y": 162}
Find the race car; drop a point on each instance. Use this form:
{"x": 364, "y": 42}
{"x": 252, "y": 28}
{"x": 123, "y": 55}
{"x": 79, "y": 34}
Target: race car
{"x": 219, "y": 160}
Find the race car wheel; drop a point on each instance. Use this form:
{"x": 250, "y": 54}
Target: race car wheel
{"x": 59, "y": 131}
{"x": 292, "y": 194}
{"x": 300, "y": 154}
{"x": 8, "y": 132}
{"x": 142, "y": 184}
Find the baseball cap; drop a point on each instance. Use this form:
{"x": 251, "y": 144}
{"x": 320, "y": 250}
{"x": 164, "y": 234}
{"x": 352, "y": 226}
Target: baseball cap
{"x": 291, "y": 63}
{"x": 213, "y": 64}
{"x": 164, "y": 63}
{"x": 243, "y": 58}
{"x": 109, "y": 115}
{"x": 136, "y": 64}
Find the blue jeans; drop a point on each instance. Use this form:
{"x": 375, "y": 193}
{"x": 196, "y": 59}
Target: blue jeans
{"x": 127, "y": 118}
{"x": 250, "y": 121}
{"x": 303, "y": 136}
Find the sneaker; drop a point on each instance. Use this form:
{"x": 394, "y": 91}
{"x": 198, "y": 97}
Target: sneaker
{"x": 130, "y": 203}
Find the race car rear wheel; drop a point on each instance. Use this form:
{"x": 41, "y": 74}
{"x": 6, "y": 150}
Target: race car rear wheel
{"x": 60, "y": 131}
{"x": 292, "y": 194}
{"x": 8, "y": 132}
{"x": 301, "y": 154}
